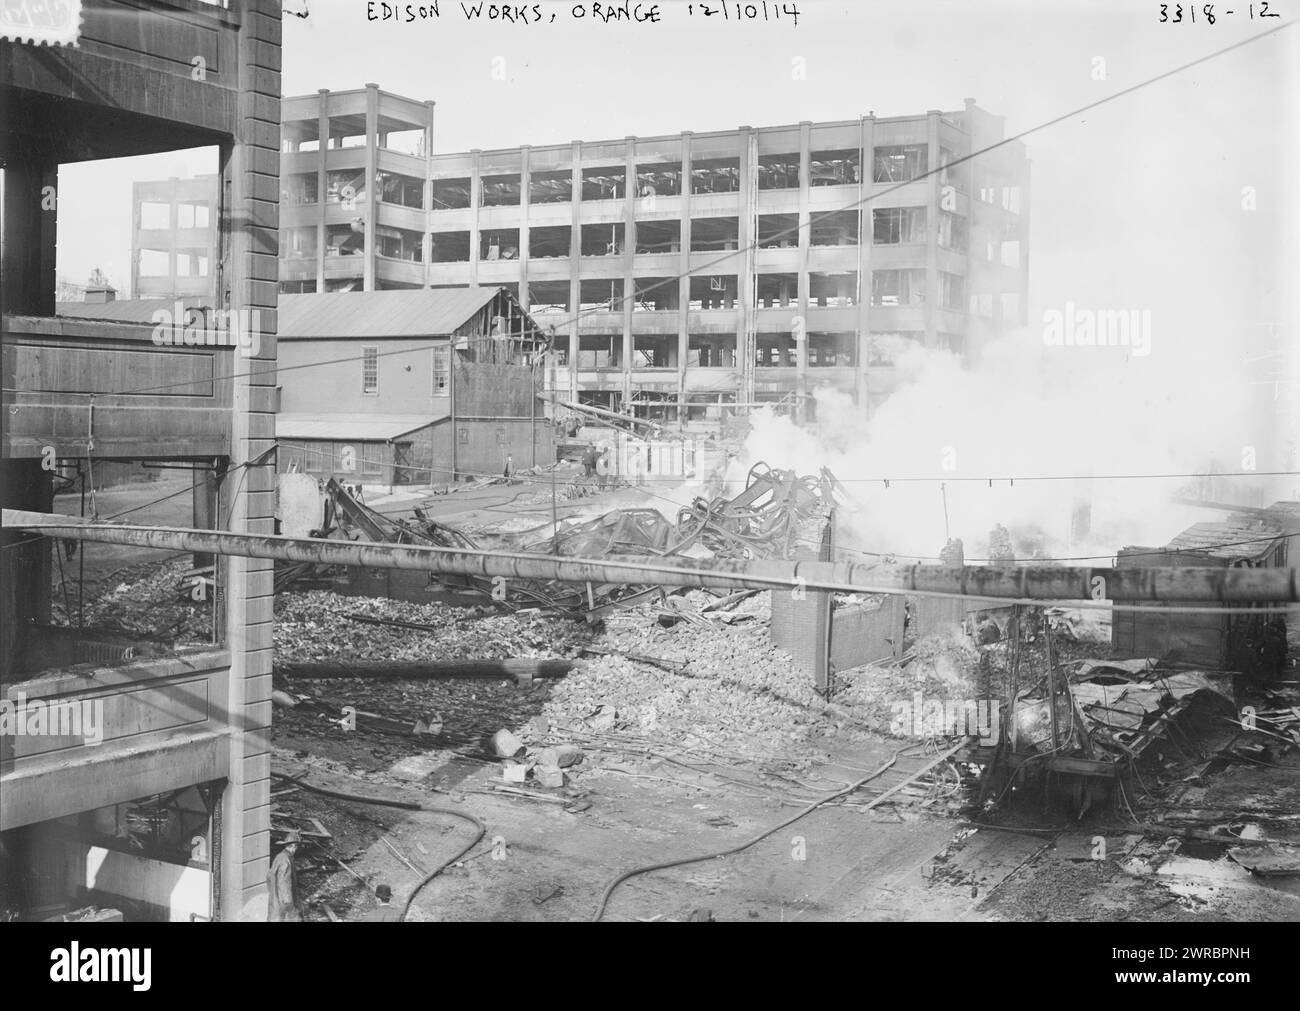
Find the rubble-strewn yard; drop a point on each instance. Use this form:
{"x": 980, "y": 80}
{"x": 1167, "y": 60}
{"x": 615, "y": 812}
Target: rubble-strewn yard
{"x": 681, "y": 729}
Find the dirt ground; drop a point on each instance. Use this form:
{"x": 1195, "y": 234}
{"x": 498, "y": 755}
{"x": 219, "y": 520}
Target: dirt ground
{"x": 646, "y": 796}
{"x": 549, "y": 856}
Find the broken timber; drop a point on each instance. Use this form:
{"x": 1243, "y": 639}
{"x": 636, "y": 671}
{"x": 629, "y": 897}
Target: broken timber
{"x": 1186, "y": 585}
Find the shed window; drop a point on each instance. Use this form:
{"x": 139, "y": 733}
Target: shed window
{"x": 372, "y": 458}
{"x": 370, "y": 371}
{"x": 441, "y": 372}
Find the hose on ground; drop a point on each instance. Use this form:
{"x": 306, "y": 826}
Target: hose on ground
{"x": 609, "y": 890}
{"x": 405, "y": 806}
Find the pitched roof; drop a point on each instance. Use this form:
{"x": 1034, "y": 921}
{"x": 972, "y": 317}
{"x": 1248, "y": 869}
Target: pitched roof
{"x": 1232, "y": 538}
{"x": 417, "y": 312}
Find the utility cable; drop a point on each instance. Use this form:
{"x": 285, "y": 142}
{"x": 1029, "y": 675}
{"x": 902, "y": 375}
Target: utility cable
{"x": 802, "y": 813}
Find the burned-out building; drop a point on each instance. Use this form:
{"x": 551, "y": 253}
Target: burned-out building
{"x": 410, "y": 387}
{"x": 692, "y": 274}
{"x": 135, "y": 771}
{"x": 688, "y": 275}
{"x": 174, "y": 238}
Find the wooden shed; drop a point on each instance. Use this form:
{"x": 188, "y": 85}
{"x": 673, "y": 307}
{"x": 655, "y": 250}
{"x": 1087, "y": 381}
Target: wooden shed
{"x": 1256, "y": 539}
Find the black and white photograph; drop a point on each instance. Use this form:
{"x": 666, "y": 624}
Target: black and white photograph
{"x": 650, "y": 462}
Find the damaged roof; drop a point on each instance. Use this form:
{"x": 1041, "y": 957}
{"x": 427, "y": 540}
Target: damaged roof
{"x": 1235, "y": 537}
{"x": 128, "y": 310}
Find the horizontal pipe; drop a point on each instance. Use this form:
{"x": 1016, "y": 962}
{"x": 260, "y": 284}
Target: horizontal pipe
{"x": 600, "y": 412}
{"x": 1224, "y": 585}
{"x": 1048, "y": 583}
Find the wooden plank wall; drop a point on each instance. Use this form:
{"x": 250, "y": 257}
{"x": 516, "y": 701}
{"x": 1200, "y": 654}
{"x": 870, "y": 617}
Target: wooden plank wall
{"x": 1191, "y": 638}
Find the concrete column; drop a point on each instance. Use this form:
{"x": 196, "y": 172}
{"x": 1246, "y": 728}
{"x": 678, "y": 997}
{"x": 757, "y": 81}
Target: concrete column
{"x": 745, "y": 335}
{"x": 629, "y": 255}
{"x": 426, "y": 241}
{"x": 575, "y": 252}
{"x": 372, "y": 184}
{"x": 684, "y": 282}
{"x": 932, "y": 230}
{"x": 866, "y": 135}
{"x": 173, "y": 220}
{"x": 475, "y": 200}
{"x": 525, "y": 201}
{"x": 805, "y": 240}
{"x": 322, "y": 177}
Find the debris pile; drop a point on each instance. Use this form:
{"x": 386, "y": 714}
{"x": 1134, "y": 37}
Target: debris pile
{"x": 705, "y": 683}
{"x": 163, "y": 601}
{"x": 312, "y": 626}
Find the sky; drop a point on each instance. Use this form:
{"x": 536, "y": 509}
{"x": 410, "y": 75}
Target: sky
{"x": 1135, "y": 204}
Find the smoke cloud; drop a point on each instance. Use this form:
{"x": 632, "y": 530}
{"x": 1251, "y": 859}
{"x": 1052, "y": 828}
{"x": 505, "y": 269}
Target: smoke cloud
{"x": 1023, "y": 413}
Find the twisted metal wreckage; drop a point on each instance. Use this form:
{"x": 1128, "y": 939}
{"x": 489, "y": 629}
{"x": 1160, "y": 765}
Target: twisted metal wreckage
{"x": 762, "y": 521}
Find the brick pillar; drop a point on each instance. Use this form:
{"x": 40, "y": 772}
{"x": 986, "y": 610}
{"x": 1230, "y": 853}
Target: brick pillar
{"x": 251, "y": 172}
{"x": 802, "y": 627}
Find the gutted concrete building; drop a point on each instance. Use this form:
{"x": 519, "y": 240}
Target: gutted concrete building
{"x": 685, "y": 276}
{"x": 174, "y": 238}
{"x": 691, "y": 272}
{"x": 151, "y": 791}
{"x": 341, "y": 233}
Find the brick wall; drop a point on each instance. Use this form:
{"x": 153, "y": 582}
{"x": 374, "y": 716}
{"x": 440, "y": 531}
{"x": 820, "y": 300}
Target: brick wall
{"x": 251, "y": 182}
{"x": 863, "y": 634}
